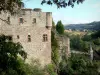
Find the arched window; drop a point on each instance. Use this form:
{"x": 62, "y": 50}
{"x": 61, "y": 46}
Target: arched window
{"x": 45, "y": 37}
{"x": 29, "y": 38}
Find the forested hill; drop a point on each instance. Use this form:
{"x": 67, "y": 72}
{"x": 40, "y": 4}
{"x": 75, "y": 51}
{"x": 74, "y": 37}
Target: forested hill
{"x": 87, "y": 26}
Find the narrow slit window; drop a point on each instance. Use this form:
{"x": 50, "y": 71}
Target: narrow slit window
{"x": 34, "y": 20}
{"x": 45, "y": 37}
{"x": 8, "y": 20}
{"x": 21, "y": 20}
{"x": 29, "y": 38}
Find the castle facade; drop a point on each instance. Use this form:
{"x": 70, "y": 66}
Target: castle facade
{"x": 32, "y": 28}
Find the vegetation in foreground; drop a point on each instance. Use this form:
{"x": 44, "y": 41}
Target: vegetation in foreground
{"x": 12, "y": 61}
{"x": 77, "y": 64}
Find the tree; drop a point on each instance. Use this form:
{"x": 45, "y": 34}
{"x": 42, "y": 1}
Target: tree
{"x": 54, "y": 44}
{"x": 77, "y": 43}
{"x": 86, "y": 37}
{"x": 96, "y": 41}
{"x": 78, "y": 65}
{"x": 9, "y": 57}
{"x": 53, "y": 25}
{"x": 11, "y": 6}
{"x": 60, "y": 27}
{"x": 62, "y": 3}
{"x": 95, "y": 35}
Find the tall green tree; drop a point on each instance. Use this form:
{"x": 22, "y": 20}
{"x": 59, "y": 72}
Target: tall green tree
{"x": 9, "y": 57}
{"x": 60, "y": 27}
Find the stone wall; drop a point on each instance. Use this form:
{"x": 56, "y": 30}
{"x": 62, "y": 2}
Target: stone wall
{"x": 36, "y": 48}
{"x": 64, "y": 46}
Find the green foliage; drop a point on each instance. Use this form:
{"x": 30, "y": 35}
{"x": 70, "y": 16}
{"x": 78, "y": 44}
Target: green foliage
{"x": 11, "y": 6}
{"x": 95, "y": 35}
{"x": 82, "y": 43}
{"x": 78, "y": 65}
{"x": 12, "y": 59}
{"x": 9, "y": 52}
{"x": 77, "y": 43}
{"x": 87, "y": 37}
{"x": 51, "y": 69}
{"x": 54, "y": 44}
{"x": 93, "y": 26}
{"x": 67, "y": 34}
{"x": 53, "y": 25}
{"x": 62, "y": 3}
{"x": 60, "y": 27}
{"x": 33, "y": 69}
{"x": 96, "y": 41}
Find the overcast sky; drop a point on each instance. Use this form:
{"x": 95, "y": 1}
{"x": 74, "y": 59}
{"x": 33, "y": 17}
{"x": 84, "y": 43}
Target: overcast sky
{"x": 87, "y": 12}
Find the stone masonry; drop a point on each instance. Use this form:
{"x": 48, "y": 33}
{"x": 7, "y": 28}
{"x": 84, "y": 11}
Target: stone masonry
{"x": 32, "y": 28}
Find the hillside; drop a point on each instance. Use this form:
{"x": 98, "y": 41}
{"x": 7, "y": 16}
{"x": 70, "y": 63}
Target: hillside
{"x": 87, "y": 26}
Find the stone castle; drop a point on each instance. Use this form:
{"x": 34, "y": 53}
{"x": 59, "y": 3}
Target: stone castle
{"x": 32, "y": 28}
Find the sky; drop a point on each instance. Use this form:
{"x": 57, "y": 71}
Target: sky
{"x": 86, "y": 12}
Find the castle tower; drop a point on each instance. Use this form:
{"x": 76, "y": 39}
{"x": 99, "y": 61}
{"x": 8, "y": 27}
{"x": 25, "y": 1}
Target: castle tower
{"x": 49, "y": 19}
{"x": 32, "y": 28}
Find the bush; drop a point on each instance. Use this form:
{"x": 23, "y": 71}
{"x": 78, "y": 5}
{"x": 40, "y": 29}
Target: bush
{"x": 51, "y": 69}
{"x": 96, "y": 41}
{"x": 78, "y": 65}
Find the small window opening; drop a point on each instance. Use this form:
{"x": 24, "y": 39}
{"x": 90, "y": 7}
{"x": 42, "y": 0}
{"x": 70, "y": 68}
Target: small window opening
{"x": 45, "y": 38}
{"x": 18, "y": 37}
{"x": 34, "y": 20}
{"x": 8, "y": 20}
{"x": 21, "y": 20}
{"x": 9, "y": 38}
{"x": 29, "y": 38}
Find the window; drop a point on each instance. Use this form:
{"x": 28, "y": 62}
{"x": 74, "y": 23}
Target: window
{"x": 8, "y": 20}
{"x": 21, "y": 20}
{"x": 45, "y": 38}
{"x": 9, "y": 38}
{"x": 29, "y": 38}
{"x": 18, "y": 37}
{"x": 34, "y": 20}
